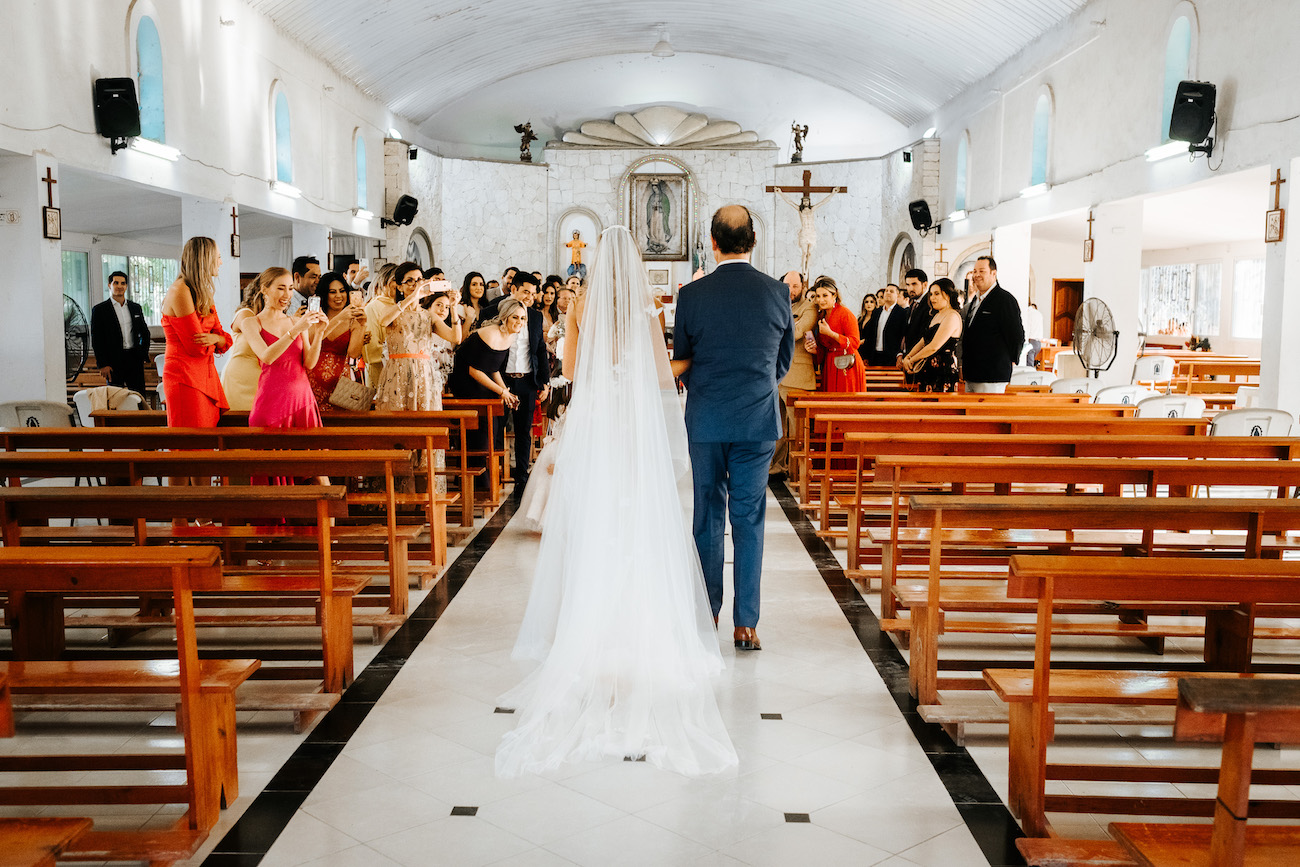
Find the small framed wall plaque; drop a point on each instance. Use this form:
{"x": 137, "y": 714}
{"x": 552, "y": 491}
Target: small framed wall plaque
{"x": 53, "y": 223}
{"x": 234, "y": 245}
{"x": 941, "y": 269}
{"x": 1274, "y": 225}
{"x": 658, "y": 276}
{"x": 1087, "y": 250}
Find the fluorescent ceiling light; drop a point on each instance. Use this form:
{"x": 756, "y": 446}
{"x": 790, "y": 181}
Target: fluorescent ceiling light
{"x": 1164, "y": 151}
{"x": 288, "y": 190}
{"x": 1035, "y": 190}
{"x": 393, "y": 133}
{"x": 362, "y": 214}
{"x": 955, "y": 216}
{"x": 929, "y": 133}
{"x": 155, "y": 149}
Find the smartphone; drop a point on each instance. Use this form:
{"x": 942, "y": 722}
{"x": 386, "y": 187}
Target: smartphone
{"x": 356, "y": 297}
{"x": 313, "y": 304}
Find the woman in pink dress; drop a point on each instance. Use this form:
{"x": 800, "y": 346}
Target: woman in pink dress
{"x": 342, "y": 340}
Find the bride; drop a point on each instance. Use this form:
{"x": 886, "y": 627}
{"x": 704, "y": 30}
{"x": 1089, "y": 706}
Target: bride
{"x": 618, "y": 617}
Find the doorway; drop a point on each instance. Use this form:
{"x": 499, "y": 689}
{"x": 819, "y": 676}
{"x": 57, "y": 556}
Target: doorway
{"x": 1067, "y": 295}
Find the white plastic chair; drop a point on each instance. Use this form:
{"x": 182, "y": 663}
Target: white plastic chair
{"x": 36, "y": 413}
{"x": 1029, "y": 376}
{"x": 1247, "y": 395}
{"x": 1124, "y": 395}
{"x": 1076, "y": 385}
{"x": 1171, "y": 406}
{"x": 158, "y": 365}
{"x": 1252, "y": 422}
{"x": 1067, "y": 365}
{"x": 1154, "y": 369}
{"x": 81, "y": 400}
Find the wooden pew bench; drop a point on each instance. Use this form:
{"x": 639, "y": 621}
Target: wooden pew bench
{"x": 37, "y": 505}
{"x": 1241, "y": 584}
{"x": 37, "y": 842}
{"x": 201, "y": 689}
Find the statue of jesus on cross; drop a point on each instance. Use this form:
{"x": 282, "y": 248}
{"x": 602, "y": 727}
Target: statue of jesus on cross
{"x": 807, "y": 226}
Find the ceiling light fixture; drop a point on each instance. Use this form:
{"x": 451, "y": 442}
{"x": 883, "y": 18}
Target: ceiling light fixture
{"x": 155, "y": 149}
{"x": 663, "y": 48}
{"x": 362, "y": 214}
{"x": 929, "y": 133}
{"x": 287, "y": 190}
{"x": 956, "y": 216}
{"x": 393, "y": 133}
{"x": 1164, "y": 151}
{"x": 1035, "y": 190}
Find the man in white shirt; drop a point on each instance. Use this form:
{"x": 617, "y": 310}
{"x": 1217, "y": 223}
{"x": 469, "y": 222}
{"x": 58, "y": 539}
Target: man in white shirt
{"x": 528, "y": 372}
{"x": 885, "y": 331}
{"x": 119, "y": 336}
{"x": 1032, "y": 320}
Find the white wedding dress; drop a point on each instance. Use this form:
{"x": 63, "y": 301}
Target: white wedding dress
{"x": 618, "y": 617}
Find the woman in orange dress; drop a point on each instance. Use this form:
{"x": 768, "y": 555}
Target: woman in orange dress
{"x": 194, "y": 335}
{"x": 837, "y": 340}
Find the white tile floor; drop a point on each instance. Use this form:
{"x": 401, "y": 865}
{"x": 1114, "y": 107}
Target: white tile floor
{"x": 841, "y": 753}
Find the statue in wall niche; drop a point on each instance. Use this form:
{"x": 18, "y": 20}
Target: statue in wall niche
{"x": 800, "y": 133}
{"x": 575, "y": 262}
{"x": 807, "y": 224}
{"x": 526, "y": 138}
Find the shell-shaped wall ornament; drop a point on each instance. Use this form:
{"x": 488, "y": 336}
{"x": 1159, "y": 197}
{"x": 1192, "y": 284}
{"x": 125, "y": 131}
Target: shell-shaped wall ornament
{"x": 662, "y": 126}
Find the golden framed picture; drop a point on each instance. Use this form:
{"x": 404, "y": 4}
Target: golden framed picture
{"x": 53, "y": 223}
{"x": 658, "y": 216}
{"x": 1274, "y": 226}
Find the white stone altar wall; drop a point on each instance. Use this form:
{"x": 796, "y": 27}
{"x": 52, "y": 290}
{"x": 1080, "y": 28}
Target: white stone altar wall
{"x": 494, "y": 214}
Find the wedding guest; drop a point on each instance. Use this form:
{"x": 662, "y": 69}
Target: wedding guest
{"x": 478, "y": 372}
{"x": 383, "y": 290}
{"x": 993, "y": 334}
{"x": 119, "y": 336}
{"x": 802, "y": 375}
{"x": 883, "y": 338}
{"x": 546, "y": 304}
{"x": 243, "y": 367}
{"x": 471, "y": 299}
{"x": 194, "y": 334}
{"x": 837, "y": 340}
{"x": 343, "y": 339}
{"x": 868, "y": 308}
{"x": 933, "y": 364}
{"x": 409, "y": 381}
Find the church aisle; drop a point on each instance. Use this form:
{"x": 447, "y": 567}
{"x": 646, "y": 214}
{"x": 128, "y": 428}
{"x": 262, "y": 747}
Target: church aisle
{"x": 830, "y": 771}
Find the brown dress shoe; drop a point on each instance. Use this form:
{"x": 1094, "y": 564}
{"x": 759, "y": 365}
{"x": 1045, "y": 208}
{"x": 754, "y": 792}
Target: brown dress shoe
{"x": 747, "y": 638}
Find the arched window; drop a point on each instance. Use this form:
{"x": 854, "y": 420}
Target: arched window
{"x": 963, "y": 157}
{"x": 1178, "y": 67}
{"x": 1042, "y": 131}
{"x": 148, "y": 53}
{"x": 283, "y": 140}
{"x": 361, "y": 171}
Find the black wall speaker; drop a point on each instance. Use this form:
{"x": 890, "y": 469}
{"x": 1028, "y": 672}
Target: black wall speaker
{"x": 1193, "y": 112}
{"x": 117, "y": 112}
{"x": 405, "y": 210}
{"x": 920, "y": 213}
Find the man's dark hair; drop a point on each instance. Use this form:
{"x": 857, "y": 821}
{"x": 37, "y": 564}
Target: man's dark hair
{"x": 895, "y": 285}
{"x": 434, "y": 272}
{"x": 509, "y": 268}
{"x": 521, "y": 278}
{"x": 300, "y": 264}
{"x": 553, "y": 280}
{"x": 733, "y": 230}
{"x": 121, "y": 274}
{"x": 993, "y": 266}
{"x": 918, "y": 274}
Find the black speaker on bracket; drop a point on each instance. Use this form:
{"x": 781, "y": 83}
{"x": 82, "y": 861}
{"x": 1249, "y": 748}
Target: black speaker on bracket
{"x": 1192, "y": 116}
{"x": 920, "y": 214}
{"x": 403, "y": 212}
{"x": 117, "y": 112}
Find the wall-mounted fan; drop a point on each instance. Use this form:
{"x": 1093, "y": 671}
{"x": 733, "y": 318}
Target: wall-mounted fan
{"x": 76, "y": 338}
{"x": 1095, "y": 339}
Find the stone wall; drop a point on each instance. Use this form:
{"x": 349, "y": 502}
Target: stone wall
{"x": 493, "y": 214}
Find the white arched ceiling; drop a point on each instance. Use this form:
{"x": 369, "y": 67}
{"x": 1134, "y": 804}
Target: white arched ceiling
{"x": 904, "y": 58}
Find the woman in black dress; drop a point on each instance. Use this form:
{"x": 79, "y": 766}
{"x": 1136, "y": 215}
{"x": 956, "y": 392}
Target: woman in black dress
{"x": 478, "y": 372}
{"x": 933, "y": 364}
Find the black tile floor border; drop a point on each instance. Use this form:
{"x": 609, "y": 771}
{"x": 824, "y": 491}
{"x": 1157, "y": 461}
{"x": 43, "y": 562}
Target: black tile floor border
{"x": 989, "y": 821}
{"x": 253, "y": 834}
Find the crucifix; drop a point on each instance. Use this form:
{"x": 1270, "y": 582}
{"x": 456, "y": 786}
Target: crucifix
{"x": 1087, "y": 244}
{"x": 1275, "y": 218}
{"x": 49, "y": 182}
{"x": 379, "y": 255}
{"x": 234, "y": 232}
{"x": 807, "y": 227}
{"x": 329, "y": 250}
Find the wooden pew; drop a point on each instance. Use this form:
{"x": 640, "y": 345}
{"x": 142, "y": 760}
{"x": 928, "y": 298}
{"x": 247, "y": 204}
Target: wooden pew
{"x": 1241, "y": 585}
{"x": 37, "y": 842}
{"x": 1147, "y": 515}
{"x": 498, "y": 462}
{"x": 36, "y": 505}
{"x": 206, "y": 715}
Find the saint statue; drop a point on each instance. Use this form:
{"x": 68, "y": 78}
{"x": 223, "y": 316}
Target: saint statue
{"x": 575, "y": 262}
{"x": 526, "y": 138}
{"x": 800, "y": 133}
{"x": 807, "y": 225}
{"x": 658, "y": 213}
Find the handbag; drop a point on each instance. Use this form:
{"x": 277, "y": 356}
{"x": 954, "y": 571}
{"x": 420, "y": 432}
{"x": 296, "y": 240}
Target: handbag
{"x": 844, "y": 362}
{"x": 351, "y": 395}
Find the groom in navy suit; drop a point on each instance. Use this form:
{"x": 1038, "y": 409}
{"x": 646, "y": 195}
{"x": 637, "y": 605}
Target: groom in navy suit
{"x": 736, "y": 328}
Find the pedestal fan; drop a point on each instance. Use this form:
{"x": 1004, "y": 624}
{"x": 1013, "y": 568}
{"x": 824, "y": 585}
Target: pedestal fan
{"x": 1096, "y": 341}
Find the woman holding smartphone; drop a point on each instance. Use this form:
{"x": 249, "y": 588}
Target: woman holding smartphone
{"x": 343, "y": 336}
{"x": 409, "y": 381}
{"x": 287, "y": 348}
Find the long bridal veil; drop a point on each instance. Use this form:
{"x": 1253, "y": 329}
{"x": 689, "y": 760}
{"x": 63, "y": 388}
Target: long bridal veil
{"x": 618, "y": 616}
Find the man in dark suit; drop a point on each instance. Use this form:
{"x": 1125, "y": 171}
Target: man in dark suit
{"x": 736, "y": 328}
{"x": 916, "y": 285}
{"x": 528, "y": 370}
{"x": 885, "y": 330}
{"x": 120, "y": 336}
{"x": 992, "y": 332}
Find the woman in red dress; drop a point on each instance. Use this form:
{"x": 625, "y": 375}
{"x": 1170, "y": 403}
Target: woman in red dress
{"x": 837, "y": 340}
{"x": 194, "y": 334}
{"x": 343, "y": 337}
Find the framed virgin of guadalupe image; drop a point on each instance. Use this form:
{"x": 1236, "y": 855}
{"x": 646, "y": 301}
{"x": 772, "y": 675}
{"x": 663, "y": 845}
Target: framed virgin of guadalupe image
{"x": 658, "y": 218}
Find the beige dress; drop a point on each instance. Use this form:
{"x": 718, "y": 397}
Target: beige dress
{"x": 239, "y": 378}
{"x": 414, "y": 377}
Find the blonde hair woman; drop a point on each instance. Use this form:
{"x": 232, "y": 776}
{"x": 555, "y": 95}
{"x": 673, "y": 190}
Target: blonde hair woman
{"x": 194, "y": 335}
{"x": 243, "y": 367}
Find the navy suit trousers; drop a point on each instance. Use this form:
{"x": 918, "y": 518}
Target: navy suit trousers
{"x": 731, "y": 477}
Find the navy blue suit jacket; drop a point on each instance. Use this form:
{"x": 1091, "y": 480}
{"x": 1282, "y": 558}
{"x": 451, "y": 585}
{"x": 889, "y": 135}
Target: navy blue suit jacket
{"x": 735, "y": 326}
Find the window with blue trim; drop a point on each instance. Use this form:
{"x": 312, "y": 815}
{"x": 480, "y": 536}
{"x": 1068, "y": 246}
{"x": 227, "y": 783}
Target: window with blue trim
{"x": 1178, "y": 53}
{"x": 1042, "y": 127}
{"x": 283, "y": 140}
{"x": 361, "y": 171}
{"x": 148, "y": 52}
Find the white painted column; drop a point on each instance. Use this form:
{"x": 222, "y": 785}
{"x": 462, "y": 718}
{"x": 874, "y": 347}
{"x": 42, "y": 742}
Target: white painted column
{"x": 1011, "y": 250}
{"x": 206, "y": 218}
{"x": 311, "y": 239}
{"x": 31, "y": 285}
{"x": 1279, "y": 386}
{"x": 1114, "y": 276}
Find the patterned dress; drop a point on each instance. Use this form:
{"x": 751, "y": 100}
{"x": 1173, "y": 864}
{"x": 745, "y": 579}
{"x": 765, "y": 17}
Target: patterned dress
{"x": 330, "y": 368}
{"x": 938, "y": 372}
{"x": 413, "y": 377}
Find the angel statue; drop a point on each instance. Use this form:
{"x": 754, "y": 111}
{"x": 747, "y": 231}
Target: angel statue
{"x": 526, "y": 138}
